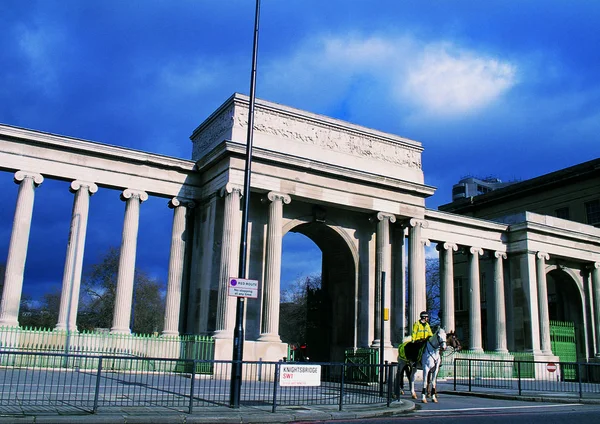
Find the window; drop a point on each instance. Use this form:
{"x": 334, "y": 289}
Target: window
{"x": 562, "y": 213}
{"x": 458, "y": 294}
{"x": 592, "y": 210}
{"x": 456, "y": 190}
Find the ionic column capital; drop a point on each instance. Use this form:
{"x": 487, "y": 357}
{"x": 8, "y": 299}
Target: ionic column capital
{"x": 77, "y": 184}
{"x": 542, "y": 255}
{"x": 446, "y": 246}
{"x": 382, "y": 215}
{"x": 282, "y": 197}
{"x": 177, "y": 201}
{"x": 130, "y": 193}
{"x": 414, "y": 222}
{"x": 230, "y": 188}
{"x": 498, "y": 255}
{"x": 425, "y": 242}
{"x": 476, "y": 251}
{"x": 595, "y": 265}
{"x": 22, "y": 175}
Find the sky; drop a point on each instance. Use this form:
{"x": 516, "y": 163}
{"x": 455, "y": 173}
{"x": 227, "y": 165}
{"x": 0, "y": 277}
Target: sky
{"x": 501, "y": 88}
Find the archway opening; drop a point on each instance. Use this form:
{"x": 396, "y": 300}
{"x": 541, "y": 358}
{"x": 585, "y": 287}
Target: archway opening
{"x": 564, "y": 305}
{"x": 324, "y": 299}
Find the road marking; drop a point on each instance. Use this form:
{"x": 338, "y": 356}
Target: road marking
{"x": 499, "y": 407}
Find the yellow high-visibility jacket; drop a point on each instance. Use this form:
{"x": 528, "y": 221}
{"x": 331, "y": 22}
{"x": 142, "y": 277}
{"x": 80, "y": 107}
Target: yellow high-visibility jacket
{"x": 421, "y": 331}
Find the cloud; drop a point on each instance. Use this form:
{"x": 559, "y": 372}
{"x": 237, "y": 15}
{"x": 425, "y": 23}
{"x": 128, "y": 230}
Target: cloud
{"x": 445, "y": 80}
{"x": 436, "y": 78}
{"x": 39, "y": 48}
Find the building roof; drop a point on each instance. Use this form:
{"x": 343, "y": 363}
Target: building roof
{"x": 556, "y": 179}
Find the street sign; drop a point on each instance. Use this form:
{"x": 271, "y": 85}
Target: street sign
{"x": 242, "y": 287}
{"x": 551, "y": 367}
{"x": 300, "y": 375}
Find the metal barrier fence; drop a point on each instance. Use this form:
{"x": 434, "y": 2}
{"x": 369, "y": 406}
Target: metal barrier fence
{"x": 33, "y": 381}
{"x": 28, "y": 339}
{"x": 513, "y": 376}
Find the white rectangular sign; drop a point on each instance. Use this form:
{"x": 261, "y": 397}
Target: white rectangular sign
{"x": 242, "y": 287}
{"x": 300, "y": 375}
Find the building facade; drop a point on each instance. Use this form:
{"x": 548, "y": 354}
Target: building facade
{"x": 358, "y": 193}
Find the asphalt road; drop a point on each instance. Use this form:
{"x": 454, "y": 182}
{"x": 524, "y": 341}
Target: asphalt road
{"x": 470, "y": 409}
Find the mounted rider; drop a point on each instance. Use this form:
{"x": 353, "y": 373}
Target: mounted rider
{"x": 411, "y": 351}
{"x": 421, "y": 329}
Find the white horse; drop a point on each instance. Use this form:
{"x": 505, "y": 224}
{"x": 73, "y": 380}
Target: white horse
{"x": 430, "y": 363}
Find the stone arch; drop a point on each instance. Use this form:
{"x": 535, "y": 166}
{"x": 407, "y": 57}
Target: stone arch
{"x": 336, "y": 313}
{"x": 566, "y": 301}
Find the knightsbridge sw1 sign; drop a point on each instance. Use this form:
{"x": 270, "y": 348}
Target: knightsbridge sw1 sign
{"x": 300, "y": 375}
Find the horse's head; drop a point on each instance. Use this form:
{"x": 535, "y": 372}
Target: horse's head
{"x": 440, "y": 337}
{"x": 453, "y": 341}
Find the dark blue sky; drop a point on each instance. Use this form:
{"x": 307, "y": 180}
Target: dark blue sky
{"x": 504, "y": 88}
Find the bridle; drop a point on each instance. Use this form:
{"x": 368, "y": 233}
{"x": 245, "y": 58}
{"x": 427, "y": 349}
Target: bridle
{"x": 455, "y": 345}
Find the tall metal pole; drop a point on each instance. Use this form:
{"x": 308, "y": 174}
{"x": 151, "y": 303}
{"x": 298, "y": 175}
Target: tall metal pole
{"x": 381, "y": 332}
{"x": 238, "y": 332}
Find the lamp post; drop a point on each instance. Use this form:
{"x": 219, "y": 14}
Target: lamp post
{"x": 238, "y": 332}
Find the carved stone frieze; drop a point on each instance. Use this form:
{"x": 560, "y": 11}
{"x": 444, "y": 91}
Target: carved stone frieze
{"x": 320, "y": 134}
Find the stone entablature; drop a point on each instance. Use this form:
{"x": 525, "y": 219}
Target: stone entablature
{"x": 69, "y": 158}
{"x": 557, "y": 237}
{"x": 302, "y": 134}
{"x": 465, "y": 231}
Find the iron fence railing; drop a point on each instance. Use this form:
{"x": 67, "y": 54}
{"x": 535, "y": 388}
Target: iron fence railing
{"x": 30, "y": 339}
{"x": 519, "y": 376}
{"x": 34, "y": 381}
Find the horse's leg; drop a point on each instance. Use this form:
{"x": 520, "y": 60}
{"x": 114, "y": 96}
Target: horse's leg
{"x": 411, "y": 380}
{"x": 399, "y": 386}
{"x": 429, "y": 384}
{"x": 433, "y": 383}
{"x": 425, "y": 376}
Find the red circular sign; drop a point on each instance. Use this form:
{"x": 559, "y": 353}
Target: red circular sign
{"x": 551, "y": 366}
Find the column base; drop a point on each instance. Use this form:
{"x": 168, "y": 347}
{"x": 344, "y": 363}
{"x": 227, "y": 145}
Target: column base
{"x": 120, "y": 331}
{"x": 170, "y": 334}
{"x": 9, "y": 323}
{"x": 64, "y": 328}
{"x": 223, "y": 334}
{"x": 271, "y": 338}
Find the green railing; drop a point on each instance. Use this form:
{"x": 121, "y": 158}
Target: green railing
{"x": 98, "y": 343}
{"x": 563, "y": 344}
{"x": 362, "y": 356}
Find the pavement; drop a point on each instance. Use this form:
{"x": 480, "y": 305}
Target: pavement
{"x": 264, "y": 414}
{"x": 216, "y": 414}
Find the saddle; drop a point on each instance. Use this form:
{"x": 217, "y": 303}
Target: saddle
{"x": 411, "y": 352}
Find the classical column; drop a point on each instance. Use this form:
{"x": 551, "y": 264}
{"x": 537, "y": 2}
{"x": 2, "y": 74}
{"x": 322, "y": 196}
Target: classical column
{"x": 596, "y": 287}
{"x": 230, "y": 251}
{"x": 271, "y": 290}
{"x": 124, "y": 296}
{"x": 69, "y": 298}
{"x": 176, "y": 260}
{"x": 475, "y": 343}
{"x": 17, "y": 250}
{"x": 499, "y": 304}
{"x": 447, "y": 284}
{"x": 542, "y": 288}
{"x": 417, "y": 297}
{"x": 383, "y": 263}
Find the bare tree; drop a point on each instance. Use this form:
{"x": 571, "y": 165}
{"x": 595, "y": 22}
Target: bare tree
{"x": 99, "y": 291}
{"x": 432, "y": 283}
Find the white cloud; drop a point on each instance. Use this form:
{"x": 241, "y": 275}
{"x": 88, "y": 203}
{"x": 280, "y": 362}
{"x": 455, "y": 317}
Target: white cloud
{"x": 438, "y": 78}
{"x": 445, "y": 80}
{"x": 40, "y": 49}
